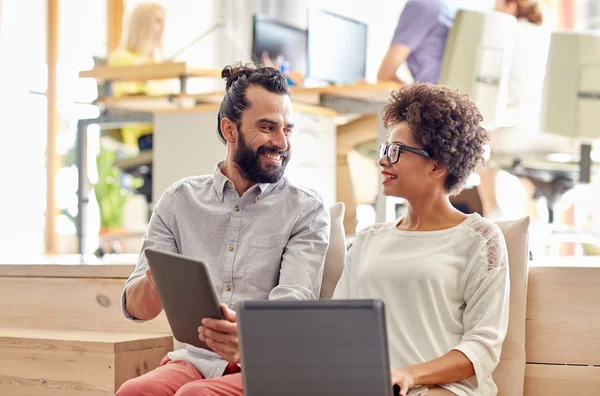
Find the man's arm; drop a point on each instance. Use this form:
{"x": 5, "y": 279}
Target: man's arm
{"x": 415, "y": 24}
{"x": 396, "y": 55}
{"x": 302, "y": 263}
{"x": 140, "y": 299}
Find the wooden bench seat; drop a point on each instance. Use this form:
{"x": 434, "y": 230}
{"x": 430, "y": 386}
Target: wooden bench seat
{"x": 68, "y": 362}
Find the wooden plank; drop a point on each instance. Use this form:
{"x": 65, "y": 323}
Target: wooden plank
{"x": 54, "y": 372}
{"x": 182, "y": 104}
{"x": 555, "y": 380}
{"x": 81, "y": 341}
{"x": 69, "y": 303}
{"x": 152, "y": 71}
{"x": 143, "y": 158}
{"x": 18, "y": 258}
{"x": 117, "y": 271}
{"x": 132, "y": 364}
{"x": 114, "y": 22}
{"x": 563, "y": 315}
{"x": 379, "y": 92}
{"x": 52, "y": 119}
{"x": 35, "y": 366}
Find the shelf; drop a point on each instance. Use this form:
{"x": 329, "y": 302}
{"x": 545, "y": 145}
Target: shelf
{"x": 143, "y": 158}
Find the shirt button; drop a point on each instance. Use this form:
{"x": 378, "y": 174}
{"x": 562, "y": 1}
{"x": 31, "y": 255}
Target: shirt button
{"x": 257, "y": 199}
{"x": 228, "y": 288}
{"x": 237, "y": 208}
{"x": 231, "y": 248}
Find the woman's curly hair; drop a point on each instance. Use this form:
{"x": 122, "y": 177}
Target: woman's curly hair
{"x": 445, "y": 123}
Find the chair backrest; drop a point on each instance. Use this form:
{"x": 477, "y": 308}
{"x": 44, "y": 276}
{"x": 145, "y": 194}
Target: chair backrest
{"x": 477, "y": 60}
{"x": 510, "y": 373}
{"x": 336, "y": 253}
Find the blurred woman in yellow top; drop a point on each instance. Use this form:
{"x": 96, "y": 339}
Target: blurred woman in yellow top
{"x": 141, "y": 43}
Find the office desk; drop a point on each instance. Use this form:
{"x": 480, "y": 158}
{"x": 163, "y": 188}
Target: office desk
{"x": 153, "y": 71}
{"x": 344, "y": 99}
{"x": 185, "y": 143}
{"x": 320, "y": 109}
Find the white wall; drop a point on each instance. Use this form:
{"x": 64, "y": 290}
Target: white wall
{"x": 185, "y": 20}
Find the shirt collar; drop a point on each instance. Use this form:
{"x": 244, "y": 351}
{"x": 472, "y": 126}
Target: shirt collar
{"x": 220, "y": 181}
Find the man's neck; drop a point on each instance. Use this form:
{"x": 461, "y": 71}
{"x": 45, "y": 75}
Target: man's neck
{"x": 231, "y": 171}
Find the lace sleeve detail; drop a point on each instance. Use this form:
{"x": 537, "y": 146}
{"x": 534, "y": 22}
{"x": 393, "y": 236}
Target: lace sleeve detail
{"x": 493, "y": 253}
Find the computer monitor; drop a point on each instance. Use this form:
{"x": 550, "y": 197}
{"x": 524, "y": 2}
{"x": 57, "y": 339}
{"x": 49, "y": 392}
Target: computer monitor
{"x": 278, "y": 38}
{"x": 571, "y": 98}
{"x": 477, "y": 61}
{"x": 337, "y": 48}
{"x": 571, "y": 101}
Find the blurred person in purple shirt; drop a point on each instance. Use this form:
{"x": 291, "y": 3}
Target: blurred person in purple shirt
{"x": 419, "y": 40}
{"x": 421, "y": 33}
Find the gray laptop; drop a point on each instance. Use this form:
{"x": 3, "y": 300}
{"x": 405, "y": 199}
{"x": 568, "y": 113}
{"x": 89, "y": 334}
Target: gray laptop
{"x": 316, "y": 348}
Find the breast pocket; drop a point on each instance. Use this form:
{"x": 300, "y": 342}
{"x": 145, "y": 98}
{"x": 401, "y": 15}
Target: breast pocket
{"x": 262, "y": 268}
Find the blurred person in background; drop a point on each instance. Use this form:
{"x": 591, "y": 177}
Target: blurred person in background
{"x": 423, "y": 27}
{"x": 141, "y": 44}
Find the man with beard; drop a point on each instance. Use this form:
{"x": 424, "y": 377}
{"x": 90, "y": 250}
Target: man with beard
{"x": 261, "y": 237}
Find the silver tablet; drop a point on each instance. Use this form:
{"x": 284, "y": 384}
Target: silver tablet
{"x": 186, "y": 292}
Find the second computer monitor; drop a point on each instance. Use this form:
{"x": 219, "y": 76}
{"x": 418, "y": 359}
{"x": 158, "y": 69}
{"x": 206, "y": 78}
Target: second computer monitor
{"x": 337, "y": 48}
{"x": 277, "y": 38}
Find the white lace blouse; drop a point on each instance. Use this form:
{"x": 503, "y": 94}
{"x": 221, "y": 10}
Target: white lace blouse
{"x": 442, "y": 290}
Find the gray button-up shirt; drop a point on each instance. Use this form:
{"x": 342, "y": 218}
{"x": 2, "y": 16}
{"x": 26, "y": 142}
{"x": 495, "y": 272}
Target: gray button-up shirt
{"x": 270, "y": 243}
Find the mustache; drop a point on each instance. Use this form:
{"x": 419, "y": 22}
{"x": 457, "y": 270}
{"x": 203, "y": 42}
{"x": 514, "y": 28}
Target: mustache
{"x": 272, "y": 150}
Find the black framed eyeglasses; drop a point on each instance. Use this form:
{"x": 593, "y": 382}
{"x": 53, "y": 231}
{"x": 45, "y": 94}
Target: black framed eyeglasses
{"x": 393, "y": 150}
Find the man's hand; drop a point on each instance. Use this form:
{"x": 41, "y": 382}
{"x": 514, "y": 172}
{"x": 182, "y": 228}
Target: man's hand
{"x": 222, "y": 335}
{"x": 142, "y": 299}
{"x": 404, "y": 379}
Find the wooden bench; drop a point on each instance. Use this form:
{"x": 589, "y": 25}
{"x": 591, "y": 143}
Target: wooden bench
{"x": 563, "y": 330}
{"x": 62, "y": 331}
{"x": 63, "y": 362}
{"x": 562, "y": 342}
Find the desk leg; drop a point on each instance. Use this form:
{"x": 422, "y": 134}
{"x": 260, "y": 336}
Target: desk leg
{"x": 585, "y": 164}
{"x": 83, "y": 184}
{"x": 183, "y": 84}
{"x": 108, "y": 88}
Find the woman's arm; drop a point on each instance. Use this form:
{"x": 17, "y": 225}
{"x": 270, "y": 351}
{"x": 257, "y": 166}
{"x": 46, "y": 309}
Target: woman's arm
{"x": 487, "y": 293}
{"x": 452, "y": 367}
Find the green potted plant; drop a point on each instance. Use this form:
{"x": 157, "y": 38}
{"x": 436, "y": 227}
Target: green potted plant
{"x": 109, "y": 192}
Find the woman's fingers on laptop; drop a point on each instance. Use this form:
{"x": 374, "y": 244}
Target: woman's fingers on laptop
{"x": 403, "y": 379}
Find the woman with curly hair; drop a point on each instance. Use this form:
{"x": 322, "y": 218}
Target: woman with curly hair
{"x": 443, "y": 275}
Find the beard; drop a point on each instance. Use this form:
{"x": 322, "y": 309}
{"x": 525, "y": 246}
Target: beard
{"x": 249, "y": 164}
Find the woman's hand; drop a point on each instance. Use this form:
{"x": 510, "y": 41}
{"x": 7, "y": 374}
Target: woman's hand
{"x": 404, "y": 379}
{"x": 221, "y": 335}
